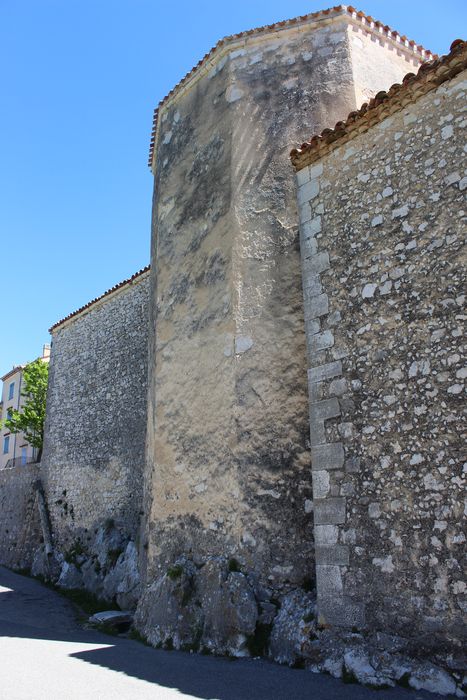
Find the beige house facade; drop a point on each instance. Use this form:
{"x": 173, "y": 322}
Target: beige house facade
{"x": 14, "y": 449}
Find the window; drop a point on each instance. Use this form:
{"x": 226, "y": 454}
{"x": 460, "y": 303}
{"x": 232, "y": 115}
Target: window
{"x": 9, "y": 413}
{"x": 6, "y": 445}
{"x": 24, "y": 455}
{"x": 11, "y": 390}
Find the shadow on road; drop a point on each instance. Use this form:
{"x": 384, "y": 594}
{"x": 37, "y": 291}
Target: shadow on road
{"x": 30, "y": 610}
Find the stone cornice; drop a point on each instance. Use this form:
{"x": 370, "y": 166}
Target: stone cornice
{"x": 229, "y": 43}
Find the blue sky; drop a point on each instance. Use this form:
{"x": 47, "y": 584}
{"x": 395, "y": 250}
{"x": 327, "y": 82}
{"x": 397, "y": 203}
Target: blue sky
{"x": 80, "y": 79}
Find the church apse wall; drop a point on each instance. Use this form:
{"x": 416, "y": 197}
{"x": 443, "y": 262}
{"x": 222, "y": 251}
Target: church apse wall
{"x": 228, "y": 465}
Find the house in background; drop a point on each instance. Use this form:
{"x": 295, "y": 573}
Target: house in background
{"x": 14, "y": 449}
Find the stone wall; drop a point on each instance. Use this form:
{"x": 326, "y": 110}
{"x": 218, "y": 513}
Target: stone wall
{"x": 96, "y": 424}
{"x": 20, "y": 533}
{"x": 228, "y": 455}
{"x": 383, "y": 277}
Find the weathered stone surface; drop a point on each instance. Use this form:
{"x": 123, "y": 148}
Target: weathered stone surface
{"x": 229, "y": 607}
{"x": 340, "y": 611}
{"x": 425, "y": 676}
{"x": 113, "y": 621}
{"x": 293, "y": 629}
{"x": 70, "y": 577}
{"x": 208, "y": 608}
{"x": 123, "y": 583}
{"x": 166, "y": 614}
{"x": 358, "y": 665}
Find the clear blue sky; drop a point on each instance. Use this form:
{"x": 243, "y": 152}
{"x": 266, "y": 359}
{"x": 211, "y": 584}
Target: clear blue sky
{"x": 80, "y": 79}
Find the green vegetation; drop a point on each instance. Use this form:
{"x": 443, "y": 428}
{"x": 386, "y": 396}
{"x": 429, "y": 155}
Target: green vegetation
{"x": 87, "y": 602}
{"x": 174, "y": 572}
{"x": 138, "y": 637}
{"x": 29, "y": 419}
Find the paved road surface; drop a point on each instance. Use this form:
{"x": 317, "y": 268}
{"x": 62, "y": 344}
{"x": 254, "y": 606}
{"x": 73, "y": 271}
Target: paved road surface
{"x": 46, "y": 655}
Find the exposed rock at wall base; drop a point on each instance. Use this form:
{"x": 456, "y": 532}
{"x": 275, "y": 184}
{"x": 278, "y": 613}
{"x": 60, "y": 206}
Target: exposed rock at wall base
{"x": 123, "y": 581}
{"x": 435, "y": 680}
{"x": 202, "y": 608}
{"x": 294, "y": 628}
{"x": 47, "y": 567}
{"x": 108, "y": 569}
{"x": 356, "y": 659}
{"x": 211, "y": 608}
{"x": 70, "y": 577}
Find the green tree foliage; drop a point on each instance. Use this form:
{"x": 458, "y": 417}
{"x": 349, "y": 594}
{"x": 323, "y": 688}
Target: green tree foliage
{"x": 29, "y": 419}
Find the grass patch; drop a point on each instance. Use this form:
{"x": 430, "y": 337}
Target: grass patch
{"x": 138, "y": 637}
{"x": 87, "y": 602}
{"x": 174, "y": 572}
{"x": 108, "y": 628}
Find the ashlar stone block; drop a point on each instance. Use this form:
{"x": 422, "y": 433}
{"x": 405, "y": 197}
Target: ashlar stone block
{"x": 329, "y": 511}
{"x": 329, "y": 456}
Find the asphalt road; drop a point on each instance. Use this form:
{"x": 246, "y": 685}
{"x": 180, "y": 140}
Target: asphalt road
{"x": 46, "y": 655}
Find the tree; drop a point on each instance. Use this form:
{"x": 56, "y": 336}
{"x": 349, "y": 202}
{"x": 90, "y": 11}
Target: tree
{"x": 30, "y": 418}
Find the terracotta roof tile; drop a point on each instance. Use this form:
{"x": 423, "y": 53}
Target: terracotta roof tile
{"x": 94, "y": 301}
{"x": 429, "y": 76}
{"x": 366, "y": 20}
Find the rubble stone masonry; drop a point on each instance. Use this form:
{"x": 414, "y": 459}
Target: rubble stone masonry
{"x": 382, "y": 235}
{"x": 93, "y": 456}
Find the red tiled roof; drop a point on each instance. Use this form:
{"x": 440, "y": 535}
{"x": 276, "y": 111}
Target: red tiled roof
{"x": 12, "y": 371}
{"x": 366, "y": 20}
{"x": 430, "y": 76}
{"x": 94, "y": 301}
